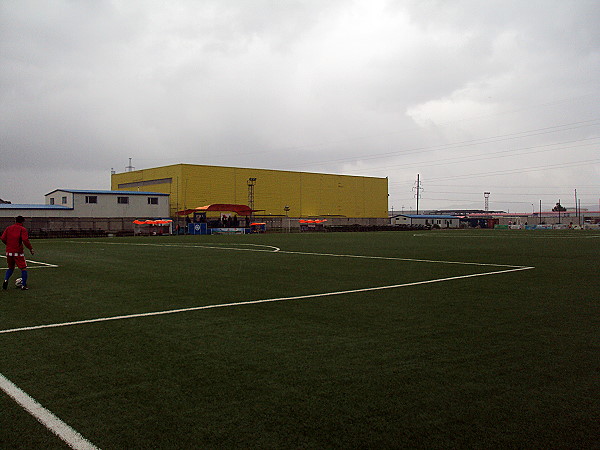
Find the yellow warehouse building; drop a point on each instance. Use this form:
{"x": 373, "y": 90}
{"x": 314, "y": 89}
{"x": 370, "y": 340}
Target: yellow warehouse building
{"x": 306, "y": 194}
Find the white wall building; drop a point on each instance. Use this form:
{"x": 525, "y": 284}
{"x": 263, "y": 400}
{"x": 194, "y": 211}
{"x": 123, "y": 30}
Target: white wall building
{"x": 440, "y": 220}
{"x": 94, "y": 203}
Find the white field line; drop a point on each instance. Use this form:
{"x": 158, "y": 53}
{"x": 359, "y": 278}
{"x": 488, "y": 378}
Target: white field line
{"x": 45, "y": 417}
{"x": 34, "y": 262}
{"x": 254, "y": 302}
{"x": 278, "y": 250}
{"x": 391, "y": 258}
{"x": 471, "y": 236}
{"x": 267, "y": 248}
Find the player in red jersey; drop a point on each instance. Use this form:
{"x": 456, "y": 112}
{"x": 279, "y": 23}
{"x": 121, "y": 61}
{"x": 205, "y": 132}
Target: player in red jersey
{"x": 15, "y": 237}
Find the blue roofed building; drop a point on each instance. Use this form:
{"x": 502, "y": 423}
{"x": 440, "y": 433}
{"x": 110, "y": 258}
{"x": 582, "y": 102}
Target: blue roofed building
{"x": 78, "y": 212}
{"x": 427, "y": 220}
{"x": 93, "y": 203}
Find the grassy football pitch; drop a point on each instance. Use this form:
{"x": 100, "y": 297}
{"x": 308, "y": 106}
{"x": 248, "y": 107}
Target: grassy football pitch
{"x": 470, "y": 338}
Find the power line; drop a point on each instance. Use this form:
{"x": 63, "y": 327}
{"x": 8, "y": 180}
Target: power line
{"x": 527, "y": 169}
{"x": 509, "y": 187}
{"x": 405, "y": 129}
{"x": 468, "y": 200}
{"x": 506, "y": 193}
{"x": 467, "y": 143}
{"x": 500, "y": 154}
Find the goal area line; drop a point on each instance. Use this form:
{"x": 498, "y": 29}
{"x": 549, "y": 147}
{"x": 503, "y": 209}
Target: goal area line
{"x": 255, "y": 302}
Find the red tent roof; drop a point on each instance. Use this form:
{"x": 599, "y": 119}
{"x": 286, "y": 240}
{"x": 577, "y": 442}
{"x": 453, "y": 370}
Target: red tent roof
{"x": 242, "y": 210}
{"x": 185, "y": 212}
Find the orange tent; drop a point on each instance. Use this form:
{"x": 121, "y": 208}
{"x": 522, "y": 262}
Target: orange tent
{"x": 152, "y": 222}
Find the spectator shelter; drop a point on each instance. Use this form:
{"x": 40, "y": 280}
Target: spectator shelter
{"x": 312, "y": 224}
{"x": 225, "y": 218}
{"x": 151, "y": 227}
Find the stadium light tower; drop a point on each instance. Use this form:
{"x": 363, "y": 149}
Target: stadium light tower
{"x": 286, "y": 208}
{"x": 251, "y": 183}
{"x": 486, "y": 196}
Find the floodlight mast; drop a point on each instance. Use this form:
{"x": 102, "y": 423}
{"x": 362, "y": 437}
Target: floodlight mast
{"x": 251, "y": 183}
{"x": 486, "y": 204}
{"x": 286, "y": 208}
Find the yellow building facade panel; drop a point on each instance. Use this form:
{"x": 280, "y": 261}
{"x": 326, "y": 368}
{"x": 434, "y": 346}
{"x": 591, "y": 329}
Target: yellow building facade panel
{"x": 306, "y": 194}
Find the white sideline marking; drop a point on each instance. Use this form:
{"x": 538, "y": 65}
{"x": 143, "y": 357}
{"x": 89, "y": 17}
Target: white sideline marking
{"x": 254, "y": 302}
{"x": 471, "y": 236}
{"x": 35, "y": 262}
{"x": 45, "y": 417}
{"x": 42, "y": 263}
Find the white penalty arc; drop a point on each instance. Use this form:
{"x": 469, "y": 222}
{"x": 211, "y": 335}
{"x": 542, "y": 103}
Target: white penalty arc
{"x": 240, "y": 246}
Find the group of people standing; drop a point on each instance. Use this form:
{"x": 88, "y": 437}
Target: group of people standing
{"x": 225, "y": 221}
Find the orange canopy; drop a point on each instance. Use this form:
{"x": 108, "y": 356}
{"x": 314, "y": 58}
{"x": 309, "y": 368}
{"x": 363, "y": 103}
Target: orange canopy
{"x": 312, "y": 220}
{"x": 152, "y": 222}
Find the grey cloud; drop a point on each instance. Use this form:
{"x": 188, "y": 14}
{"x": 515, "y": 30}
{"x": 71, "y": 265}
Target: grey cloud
{"x": 308, "y": 85}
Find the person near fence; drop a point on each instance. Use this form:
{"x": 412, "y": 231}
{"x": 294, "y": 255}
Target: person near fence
{"x": 15, "y": 237}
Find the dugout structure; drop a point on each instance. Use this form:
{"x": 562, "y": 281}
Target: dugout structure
{"x": 305, "y": 194}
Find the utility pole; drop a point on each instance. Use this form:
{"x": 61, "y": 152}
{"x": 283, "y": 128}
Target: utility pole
{"x": 418, "y": 190}
{"x": 576, "y": 210}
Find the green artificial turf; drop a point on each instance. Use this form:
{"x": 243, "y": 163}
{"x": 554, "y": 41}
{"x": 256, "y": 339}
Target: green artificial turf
{"x": 506, "y": 360}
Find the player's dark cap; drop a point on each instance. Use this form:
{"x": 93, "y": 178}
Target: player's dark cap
{"x": 20, "y": 219}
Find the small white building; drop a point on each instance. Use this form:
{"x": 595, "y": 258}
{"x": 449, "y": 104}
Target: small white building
{"x": 431, "y": 220}
{"x": 65, "y": 203}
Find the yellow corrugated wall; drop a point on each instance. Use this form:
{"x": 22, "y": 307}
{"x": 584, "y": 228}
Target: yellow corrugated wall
{"x": 307, "y": 194}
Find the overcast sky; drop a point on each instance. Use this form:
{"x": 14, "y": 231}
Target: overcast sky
{"x": 475, "y": 95}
